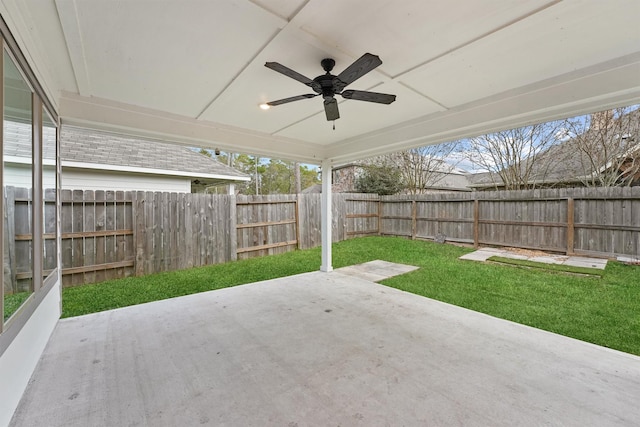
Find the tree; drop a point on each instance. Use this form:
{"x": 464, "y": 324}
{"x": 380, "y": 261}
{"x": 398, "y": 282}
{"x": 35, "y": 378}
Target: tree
{"x": 279, "y": 177}
{"x": 297, "y": 178}
{"x": 268, "y": 176}
{"x": 308, "y": 177}
{"x": 379, "y": 179}
{"x": 254, "y": 167}
{"x": 424, "y": 167}
{"x": 511, "y": 156}
{"x": 607, "y": 147}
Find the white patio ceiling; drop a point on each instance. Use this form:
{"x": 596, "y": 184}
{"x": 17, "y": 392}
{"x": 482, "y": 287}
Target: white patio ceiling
{"x": 193, "y": 71}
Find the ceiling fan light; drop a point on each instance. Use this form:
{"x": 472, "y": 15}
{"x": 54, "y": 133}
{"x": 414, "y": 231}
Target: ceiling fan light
{"x": 265, "y": 106}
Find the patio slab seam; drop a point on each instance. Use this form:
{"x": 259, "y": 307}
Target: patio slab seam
{"x": 377, "y": 270}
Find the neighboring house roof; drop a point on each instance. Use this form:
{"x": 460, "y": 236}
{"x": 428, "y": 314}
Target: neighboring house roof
{"x": 90, "y": 149}
{"x": 314, "y": 189}
{"x": 450, "y": 181}
{"x": 566, "y": 163}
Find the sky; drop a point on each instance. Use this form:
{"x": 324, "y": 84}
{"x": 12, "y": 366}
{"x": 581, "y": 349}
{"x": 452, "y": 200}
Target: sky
{"x": 461, "y": 161}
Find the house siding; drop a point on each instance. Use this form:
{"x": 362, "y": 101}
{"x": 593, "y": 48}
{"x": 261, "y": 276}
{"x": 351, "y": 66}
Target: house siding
{"x": 15, "y": 175}
{"x": 122, "y": 181}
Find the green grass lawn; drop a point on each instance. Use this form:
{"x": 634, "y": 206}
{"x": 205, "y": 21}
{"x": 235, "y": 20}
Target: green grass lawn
{"x": 602, "y": 310}
{"x": 13, "y": 302}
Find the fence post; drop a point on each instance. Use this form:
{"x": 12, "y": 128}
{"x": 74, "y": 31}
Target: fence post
{"x": 379, "y": 215}
{"x": 233, "y": 227}
{"x": 476, "y": 223}
{"x": 139, "y": 232}
{"x": 570, "y": 226}
{"x": 297, "y": 207}
{"x": 413, "y": 219}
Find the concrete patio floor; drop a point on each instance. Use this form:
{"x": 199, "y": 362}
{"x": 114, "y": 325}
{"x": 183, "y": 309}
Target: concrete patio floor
{"x": 321, "y": 349}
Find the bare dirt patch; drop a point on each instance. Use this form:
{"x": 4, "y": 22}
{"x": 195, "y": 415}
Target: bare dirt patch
{"x": 528, "y": 253}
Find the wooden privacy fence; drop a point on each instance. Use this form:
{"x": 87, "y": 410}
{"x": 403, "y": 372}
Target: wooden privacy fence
{"x": 112, "y": 234}
{"x": 97, "y": 236}
{"x": 108, "y": 234}
{"x": 266, "y": 225}
{"x": 18, "y": 258}
{"x": 591, "y": 221}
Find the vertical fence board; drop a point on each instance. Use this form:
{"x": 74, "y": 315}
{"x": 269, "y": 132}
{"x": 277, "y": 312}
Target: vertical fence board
{"x": 120, "y": 238}
{"x": 140, "y": 232}
{"x": 50, "y": 243}
{"x": 89, "y": 242}
{"x": 9, "y": 262}
{"x": 66, "y": 225}
{"x": 78, "y": 242}
{"x": 101, "y": 225}
{"x": 110, "y": 225}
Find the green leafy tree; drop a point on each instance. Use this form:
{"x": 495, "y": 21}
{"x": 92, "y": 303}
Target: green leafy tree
{"x": 268, "y": 176}
{"x": 308, "y": 177}
{"x": 205, "y": 152}
{"x": 382, "y": 180}
{"x": 277, "y": 178}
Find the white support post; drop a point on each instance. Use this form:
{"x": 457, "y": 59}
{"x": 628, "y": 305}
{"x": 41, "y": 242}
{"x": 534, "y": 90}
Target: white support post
{"x": 232, "y": 190}
{"x": 326, "y": 217}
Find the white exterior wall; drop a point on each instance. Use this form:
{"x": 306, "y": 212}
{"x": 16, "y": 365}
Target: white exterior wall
{"x": 105, "y": 180}
{"x": 17, "y": 175}
{"x": 19, "y": 360}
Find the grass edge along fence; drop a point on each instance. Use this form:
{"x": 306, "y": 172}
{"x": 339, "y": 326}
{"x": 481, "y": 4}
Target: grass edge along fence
{"x": 112, "y": 234}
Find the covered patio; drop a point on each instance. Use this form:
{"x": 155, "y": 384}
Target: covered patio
{"x": 321, "y": 349}
{"x": 193, "y": 73}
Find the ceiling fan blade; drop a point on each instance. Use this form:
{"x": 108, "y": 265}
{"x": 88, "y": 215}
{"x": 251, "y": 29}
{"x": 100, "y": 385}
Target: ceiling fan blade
{"x": 291, "y": 99}
{"x": 294, "y": 75}
{"x": 362, "y": 95}
{"x": 359, "y": 68}
{"x": 331, "y": 109}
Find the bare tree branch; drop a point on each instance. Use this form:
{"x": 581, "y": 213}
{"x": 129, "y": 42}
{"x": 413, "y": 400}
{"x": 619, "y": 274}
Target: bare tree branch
{"x": 512, "y": 156}
{"x": 421, "y": 168}
{"x": 607, "y": 148}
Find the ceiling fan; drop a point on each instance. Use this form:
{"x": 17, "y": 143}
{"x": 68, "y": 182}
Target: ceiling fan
{"x": 329, "y": 85}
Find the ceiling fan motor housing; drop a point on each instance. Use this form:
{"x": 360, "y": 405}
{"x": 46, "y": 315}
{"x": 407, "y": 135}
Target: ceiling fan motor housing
{"x": 326, "y": 82}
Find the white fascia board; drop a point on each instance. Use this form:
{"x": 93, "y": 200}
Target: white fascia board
{"x": 17, "y": 160}
{"x": 107, "y": 115}
{"x": 115, "y": 168}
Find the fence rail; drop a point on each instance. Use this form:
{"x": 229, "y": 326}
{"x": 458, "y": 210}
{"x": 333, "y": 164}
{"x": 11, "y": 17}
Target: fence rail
{"x": 112, "y": 234}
